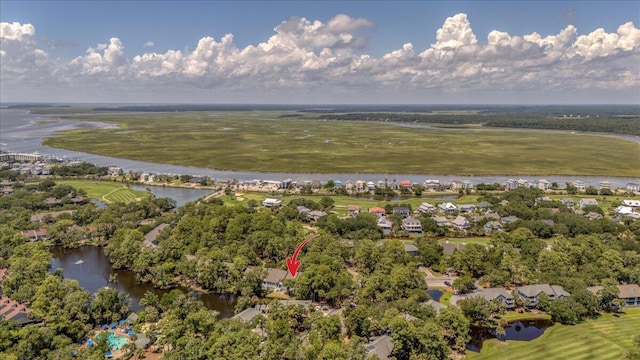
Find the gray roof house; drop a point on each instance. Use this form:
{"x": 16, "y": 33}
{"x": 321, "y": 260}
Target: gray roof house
{"x": 142, "y": 342}
{"x": 411, "y": 249}
{"x": 469, "y": 208}
{"x": 441, "y": 220}
{"x": 498, "y": 294}
{"x": 426, "y": 208}
{"x": 509, "y": 219}
{"x": 274, "y": 278}
{"x": 630, "y": 293}
{"x": 402, "y": 210}
{"x": 532, "y": 292}
{"x": 150, "y": 238}
{"x": 247, "y": 315}
{"x": 461, "y": 223}
{"x": 582, "y": 203}
{"x": 492, "y": 226}
{"x": 380, "y": 346}
{"x": 448, "y": 248}
{"x": 385, "y": 225}
{"x": 412, "y": 225}
{"x": 437, "y": 306}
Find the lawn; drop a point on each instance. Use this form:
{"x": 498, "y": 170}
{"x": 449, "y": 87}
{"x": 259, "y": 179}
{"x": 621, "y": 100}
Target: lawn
{"x": 608, "y": 337}
{"x": 106, "y": 192}
{"x": 260, "y": 141}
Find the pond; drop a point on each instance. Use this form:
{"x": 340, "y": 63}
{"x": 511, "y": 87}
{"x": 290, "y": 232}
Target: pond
{"x": 435, "y": 294}
{"x": 522, "y": 330}
{"x": 91, "y": 268}
{"x": 180, "y": 195}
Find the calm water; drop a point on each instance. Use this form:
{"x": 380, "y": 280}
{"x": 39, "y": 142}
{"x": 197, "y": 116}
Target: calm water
{"x": 180, "y": 195}
{"x": 20, "y": 132}
{"x": 435, "y": 294}
{"x": 524, "y": 330}
{"x": 93, "y": 274}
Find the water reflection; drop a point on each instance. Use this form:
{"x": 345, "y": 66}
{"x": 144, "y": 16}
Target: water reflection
{"x": 524, "y": 330}
{"x": 91, "y": 268}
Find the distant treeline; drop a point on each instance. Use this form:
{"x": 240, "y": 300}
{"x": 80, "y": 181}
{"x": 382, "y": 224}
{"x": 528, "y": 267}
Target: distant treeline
{"x": 608, "y": 124}
{"x": 203, "y": 107}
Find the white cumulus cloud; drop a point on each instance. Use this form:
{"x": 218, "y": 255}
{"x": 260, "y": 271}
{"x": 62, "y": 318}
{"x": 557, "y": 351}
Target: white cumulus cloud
{"x": 305, "y": 56}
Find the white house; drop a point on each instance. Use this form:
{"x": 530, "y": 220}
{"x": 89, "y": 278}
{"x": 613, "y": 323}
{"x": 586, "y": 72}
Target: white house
{"x": 269, "y": 202}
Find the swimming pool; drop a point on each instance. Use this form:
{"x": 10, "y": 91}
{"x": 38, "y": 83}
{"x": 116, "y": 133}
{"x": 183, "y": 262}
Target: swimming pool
{"x": 115, "y": 342}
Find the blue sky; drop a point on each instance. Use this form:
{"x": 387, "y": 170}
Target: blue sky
{"x": 64, "y": 31}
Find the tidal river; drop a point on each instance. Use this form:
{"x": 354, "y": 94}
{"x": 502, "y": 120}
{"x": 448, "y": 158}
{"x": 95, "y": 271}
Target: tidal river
{"x": 90, "y": 266}
{"x": 21, "y": 131}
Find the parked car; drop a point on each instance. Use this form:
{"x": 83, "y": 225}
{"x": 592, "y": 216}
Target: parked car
{"x": 447, "y": 283}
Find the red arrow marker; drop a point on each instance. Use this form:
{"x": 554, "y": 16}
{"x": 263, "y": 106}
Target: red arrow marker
{"x": 293, "y": 263}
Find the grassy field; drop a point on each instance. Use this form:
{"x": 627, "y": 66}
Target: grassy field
{"x": 608, "y": 337}
{"x": 106, "y": 191}
{"x": 260, "y": 141}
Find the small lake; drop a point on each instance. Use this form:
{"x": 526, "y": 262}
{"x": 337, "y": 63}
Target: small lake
{"x": 523, "y": 330}
{"x": 435, "y": 294}
{"x": 91, "y": 268}
{"x": 180, "y": 195}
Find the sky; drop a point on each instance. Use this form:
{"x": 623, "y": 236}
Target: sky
{"x": 320, "y": 52}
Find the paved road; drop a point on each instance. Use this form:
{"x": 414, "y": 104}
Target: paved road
{"x": 436, "y": 281}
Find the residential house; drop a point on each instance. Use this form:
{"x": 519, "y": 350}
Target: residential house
{"x": 531, "y": 293}
{"x": 432, "y": 184}
{"x": 360, "y": 185}
{"x": 315, "y": 215}
{"x": 605, "y": 185}
{"x": 151, "y": 238}
{"x": 448, "y": 249}
{"x": 630, "y": 293}
{"x": 483, "y": 206}
{"x": 378, "y": 211}
{"x": 633, "y": 187}
{"x": 441, "y": 220}
{"x": 492, "y": 226}
{"x": 316, "y": 184}
{"x": 548, "y": 222}
{"x": 247, "y": 315}
{"x": 405, "y": 183}
{"x": 544, "y": 184}
{"x": 631, "y": 203}
{"x": 623, "y": 210}
{"x": 379, "y": 346}
{"x": 592, "y": 215}
{"x": 411, "y": 249}
{"x": 524, "y": 183}
{"x": 467, "y": 208}
{"x": 511, "y": 184}
{"x": 142, "y": 342}
{"x": 580, "y": 185}
{"x": 568, "y": 202}
{"x": 509, "y": 219}
{"x": 353, "y": 210}
{"x": 543, "y": 199}
{"x": 385, "y": 225}
{"x": 582, "y": 203}
{"x": 13, "y": 310}
{"x": 371, "y": 186}
{"x": 52, "y": 214}
{"x": 303, "y": 210}
{"x": 36, "y": 234}
{"x": 461, "y": 223}
{"x": 456, "y": 185}
{"x": 411, "y": 225}
{"x": 51, "y": 201}
{"x": 114, "y": 170}
{"x": 402, "y": 210}
{"x": 498, "y": 294}
{"x": 437, "y": 306}
{"x": 426, "y": 208}
{"x": 447, "y": 208}
{"x": 274, "y": 279}
{"x": 270, "y": 203}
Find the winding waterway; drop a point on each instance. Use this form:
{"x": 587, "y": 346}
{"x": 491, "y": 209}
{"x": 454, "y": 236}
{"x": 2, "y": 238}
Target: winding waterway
{"x": 20, "y": 131}
{"x": 91, "y": 268}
